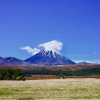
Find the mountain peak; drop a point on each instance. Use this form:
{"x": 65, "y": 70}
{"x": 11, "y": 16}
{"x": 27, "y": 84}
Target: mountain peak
{"x": 49, "y": 58}
{"x": 49, "y": 53}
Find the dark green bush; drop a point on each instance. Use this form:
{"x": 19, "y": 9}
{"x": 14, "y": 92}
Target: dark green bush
{"x": 10, "y": 74}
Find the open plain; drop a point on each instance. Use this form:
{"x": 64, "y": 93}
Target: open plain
{"x": 52, "y": 89}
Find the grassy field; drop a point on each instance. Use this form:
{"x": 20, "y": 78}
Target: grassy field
{"x": 54, "y": 89}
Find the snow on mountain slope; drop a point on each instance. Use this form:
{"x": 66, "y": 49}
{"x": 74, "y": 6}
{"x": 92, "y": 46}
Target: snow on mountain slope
{"x": 49, "y": 58}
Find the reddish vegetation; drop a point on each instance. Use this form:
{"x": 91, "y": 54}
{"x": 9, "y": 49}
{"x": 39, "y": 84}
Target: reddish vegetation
{"x": 33, "y": 77}
{"x": 37, "y": 77}
{"x": 66, "y": 67}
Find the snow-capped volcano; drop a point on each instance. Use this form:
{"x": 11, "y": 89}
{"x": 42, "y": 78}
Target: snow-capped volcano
{"x": 49, "y": 58}
{"x": 48, "y": 54}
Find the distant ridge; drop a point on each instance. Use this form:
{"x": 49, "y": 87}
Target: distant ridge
{"x": 83, "y": 63}
{"x": 11, "y": 61}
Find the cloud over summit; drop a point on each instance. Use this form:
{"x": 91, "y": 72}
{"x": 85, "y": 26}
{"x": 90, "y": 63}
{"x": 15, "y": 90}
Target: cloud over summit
{"x": 31, "y": 50}
{"x": 53, "y": 45}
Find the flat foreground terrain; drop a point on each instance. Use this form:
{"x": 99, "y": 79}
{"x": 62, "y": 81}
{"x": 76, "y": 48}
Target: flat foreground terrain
{"x": 54, "y": 89}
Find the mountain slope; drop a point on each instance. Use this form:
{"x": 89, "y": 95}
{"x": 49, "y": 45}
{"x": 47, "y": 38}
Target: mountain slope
{"x": 1, "y": 59}
{"x": 11, "y": 61}
{"x": 49, "y": 58}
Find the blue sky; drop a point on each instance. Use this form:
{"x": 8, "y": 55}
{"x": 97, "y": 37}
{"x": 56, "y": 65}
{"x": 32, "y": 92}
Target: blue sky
{"x": 76, "y": 23}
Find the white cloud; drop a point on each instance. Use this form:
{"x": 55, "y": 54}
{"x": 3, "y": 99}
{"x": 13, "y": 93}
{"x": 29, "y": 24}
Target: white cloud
{"x": 31, "y": 50}
{"x": 53, "y": 45}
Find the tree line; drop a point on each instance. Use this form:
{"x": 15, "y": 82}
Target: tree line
{"x": 81, "y": 72}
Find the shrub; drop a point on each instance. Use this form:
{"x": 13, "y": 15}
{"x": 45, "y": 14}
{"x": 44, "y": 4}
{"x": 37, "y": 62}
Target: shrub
{"x": 10, "y": 74}
{"x": 20, "y": 78}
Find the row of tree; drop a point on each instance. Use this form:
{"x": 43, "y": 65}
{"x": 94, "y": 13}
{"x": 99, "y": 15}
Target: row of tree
{"x": 81, "y": 72}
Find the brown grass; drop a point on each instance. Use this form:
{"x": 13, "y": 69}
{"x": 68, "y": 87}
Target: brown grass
{"x": 56, "y": 89}
{"x": 38, "y": 77}
{"x": 54, "y": 68}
